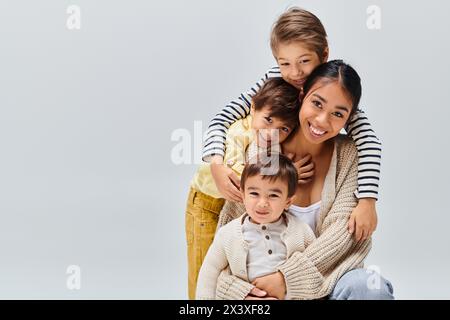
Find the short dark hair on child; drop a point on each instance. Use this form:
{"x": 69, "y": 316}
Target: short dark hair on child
{"x": 284, "y": 171}
{"x": 282, "y": 98}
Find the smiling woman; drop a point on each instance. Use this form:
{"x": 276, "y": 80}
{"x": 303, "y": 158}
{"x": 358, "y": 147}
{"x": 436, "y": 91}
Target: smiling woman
{"x": 299, "y": 44}
{"x": 322, "y": 118}
{"x": 331, "y": 265}
{"x": 332, "y": 94}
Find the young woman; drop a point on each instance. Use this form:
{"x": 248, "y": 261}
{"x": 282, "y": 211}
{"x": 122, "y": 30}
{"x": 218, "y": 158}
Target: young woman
{"x": 299, "y": 44}
{"x": 331, "y": 264}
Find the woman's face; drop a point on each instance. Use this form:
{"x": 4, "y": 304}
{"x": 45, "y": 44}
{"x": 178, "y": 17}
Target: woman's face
{"x": 324, "y": 112}
{"x": 296, "y": 62}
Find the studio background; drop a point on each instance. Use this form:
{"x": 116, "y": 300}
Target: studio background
{"x": 87, "y": 176}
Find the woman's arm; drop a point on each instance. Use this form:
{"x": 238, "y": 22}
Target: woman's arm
{"x": 334, "y": 248}
{"x": 237, "y": 109}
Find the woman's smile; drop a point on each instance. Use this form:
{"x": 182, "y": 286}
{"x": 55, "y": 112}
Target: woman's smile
{"x": 315, "y": 131}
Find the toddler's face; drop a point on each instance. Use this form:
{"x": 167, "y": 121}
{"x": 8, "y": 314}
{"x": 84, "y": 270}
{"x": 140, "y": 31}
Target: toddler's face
{"x": 265, "y": 200}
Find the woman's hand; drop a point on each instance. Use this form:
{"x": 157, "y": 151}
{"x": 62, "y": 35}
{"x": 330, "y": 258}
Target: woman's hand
{"x": 363, "y": 220}
{"x": 258, "y": 294}
{"x": 305, "y": 168}
{"x": 226, "y": 180}
{"x": 273, "y": 284}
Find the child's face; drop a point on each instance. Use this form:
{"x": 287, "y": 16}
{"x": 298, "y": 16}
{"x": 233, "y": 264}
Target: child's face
{"x": 268, "y": 130}
{"x": 324, "y": 112}
{"x": 296, "y": 62}
{"x": 265, "y": 200}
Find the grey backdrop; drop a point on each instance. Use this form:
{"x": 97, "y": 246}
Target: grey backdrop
{"x": 86, "y": 176}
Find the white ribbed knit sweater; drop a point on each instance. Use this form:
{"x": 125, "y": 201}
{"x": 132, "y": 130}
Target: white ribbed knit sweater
{"x": 313, "y": 273}
{"x": 229, "y": 249}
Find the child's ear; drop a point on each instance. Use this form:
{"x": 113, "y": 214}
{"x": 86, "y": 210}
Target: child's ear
{"x": 252, "y": 109}
{"x": 301, "y": 95}
{"x": 289, "y": 201}
{"x": 326, "y": 53}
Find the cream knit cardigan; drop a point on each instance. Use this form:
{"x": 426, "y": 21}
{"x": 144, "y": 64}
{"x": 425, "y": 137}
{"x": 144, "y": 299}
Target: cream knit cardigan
{"x": 313, "y": 273}
{"x": 229, "y": 249}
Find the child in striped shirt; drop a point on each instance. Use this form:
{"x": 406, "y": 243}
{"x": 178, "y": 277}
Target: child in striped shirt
{"x": 299, "y": 44}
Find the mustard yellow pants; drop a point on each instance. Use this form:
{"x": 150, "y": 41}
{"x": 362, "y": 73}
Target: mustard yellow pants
{"x": 202, "y": 214}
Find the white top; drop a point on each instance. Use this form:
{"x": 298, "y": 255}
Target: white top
{"x": 266, "y": 250}
{"x": 308, "y": 215}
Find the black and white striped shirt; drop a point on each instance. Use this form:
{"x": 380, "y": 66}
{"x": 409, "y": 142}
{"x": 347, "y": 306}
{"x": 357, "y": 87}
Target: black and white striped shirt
{"x": 359, "y": 128}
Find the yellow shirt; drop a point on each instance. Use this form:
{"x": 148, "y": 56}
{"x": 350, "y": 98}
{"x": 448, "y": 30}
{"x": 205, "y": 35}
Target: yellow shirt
{"x": 239, "y": 137}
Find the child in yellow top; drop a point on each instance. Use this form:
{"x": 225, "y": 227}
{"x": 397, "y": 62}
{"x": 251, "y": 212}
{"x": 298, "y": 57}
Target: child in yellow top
{"x": 273, "y": 116}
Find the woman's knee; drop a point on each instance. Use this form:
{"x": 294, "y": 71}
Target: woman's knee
{"x": 362, "y": 284}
